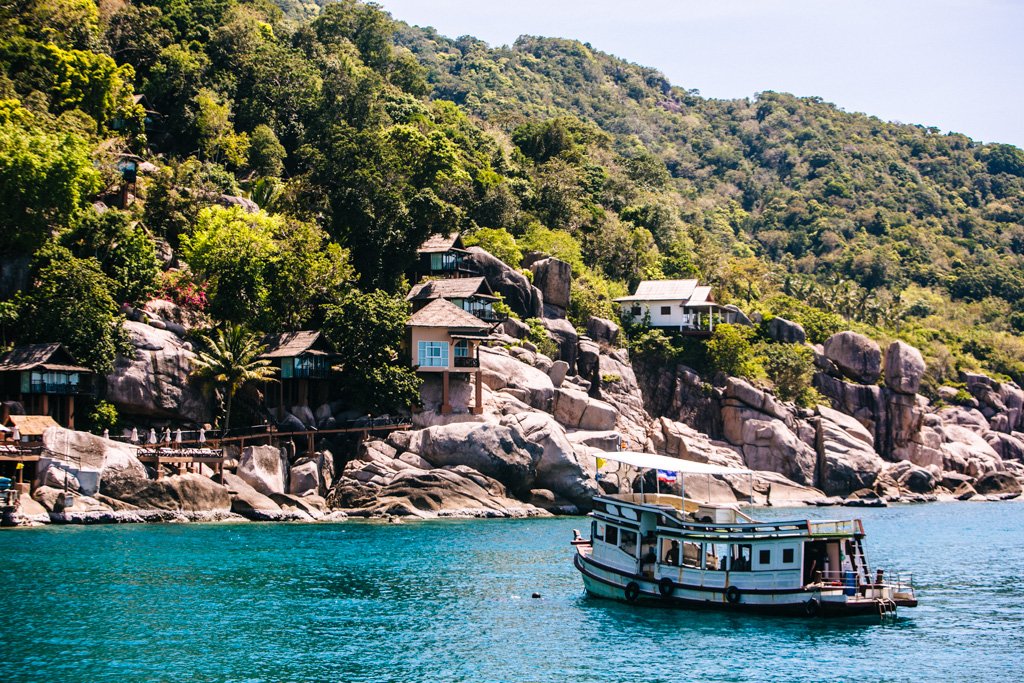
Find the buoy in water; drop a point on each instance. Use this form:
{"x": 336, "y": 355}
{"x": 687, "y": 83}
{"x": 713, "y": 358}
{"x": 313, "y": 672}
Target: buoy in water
{"x": 535, "y": 595}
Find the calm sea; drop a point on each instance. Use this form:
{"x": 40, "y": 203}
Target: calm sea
{"x": 450, "y": 601}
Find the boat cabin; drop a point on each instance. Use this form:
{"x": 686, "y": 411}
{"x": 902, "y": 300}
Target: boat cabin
{"x": 46, "y": 380}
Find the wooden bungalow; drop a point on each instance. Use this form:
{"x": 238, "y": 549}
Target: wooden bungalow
{"x": 445, "y": 339}
{"x": 46, "y": 380}
{"x": 443, "y": 256}
{"x": 303, "y": 360}
{"x": 471, "y": 294}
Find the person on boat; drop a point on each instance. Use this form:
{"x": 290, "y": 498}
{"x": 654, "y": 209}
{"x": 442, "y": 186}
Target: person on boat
{"x": 672, "y": 556}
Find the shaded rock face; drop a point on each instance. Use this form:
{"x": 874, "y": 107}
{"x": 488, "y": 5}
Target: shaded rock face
{"x": 1002, "y": 404}
{"x": 1000, "y": 484}
{"x": 185, "y": 492}
{"x": 493, "y": 450}
{"x": 247, "y": 501}
{"x": 786, "y": 331}
{"x": 904, "y": 368}
{"x": 517, "y": 292}
{"x": 564, "y": 335}
{"x": 155, "y": 380}
{"x": 857, "y": 357}
{"x": 847, "y": 458}
{"x": 554, "y": 279}
{"x": 602, "y": 330}
{"x": 265, "y": 468}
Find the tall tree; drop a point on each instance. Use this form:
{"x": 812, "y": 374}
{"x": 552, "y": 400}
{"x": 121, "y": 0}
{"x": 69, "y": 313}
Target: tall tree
{"x": 231, "y": 360}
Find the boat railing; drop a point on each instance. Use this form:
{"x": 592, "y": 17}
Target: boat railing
{"x": 898, "y": 582}
{"x": 839, "y": 527}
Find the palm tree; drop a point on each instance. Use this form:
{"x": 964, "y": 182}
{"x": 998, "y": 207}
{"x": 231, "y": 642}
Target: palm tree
{"x": 231, "y": 359}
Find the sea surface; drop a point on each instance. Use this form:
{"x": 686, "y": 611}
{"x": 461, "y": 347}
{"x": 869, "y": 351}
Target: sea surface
{"x": 451, "y": 601}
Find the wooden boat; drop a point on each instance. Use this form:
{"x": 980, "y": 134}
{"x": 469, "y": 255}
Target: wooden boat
{"x": 668, "y": 549}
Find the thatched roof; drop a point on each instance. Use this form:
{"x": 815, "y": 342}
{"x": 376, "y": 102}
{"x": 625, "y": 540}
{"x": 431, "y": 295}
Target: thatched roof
{"x": 291, "y": 344}
{"x": 455, "y": 288}
{"x": 31, "y": 425}
{"x": 442, "y": 313}
{"x": 436, "y": 244}
{"x": 51, "y": 356}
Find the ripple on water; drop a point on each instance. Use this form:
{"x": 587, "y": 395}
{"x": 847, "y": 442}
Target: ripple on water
{"x": 450, "y": 601}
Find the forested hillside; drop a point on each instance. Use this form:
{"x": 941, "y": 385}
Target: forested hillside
{"x": 358, "y": 136}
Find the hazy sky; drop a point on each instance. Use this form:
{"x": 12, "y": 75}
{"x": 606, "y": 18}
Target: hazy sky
{"x": 954, "y": 64}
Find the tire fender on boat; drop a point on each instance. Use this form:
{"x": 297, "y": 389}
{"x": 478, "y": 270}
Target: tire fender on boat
{"x": 632, "y": 591}
{"x": 666, "y": 587}
{"x": 812, "y": 607}
{"x": 732, "y": 595}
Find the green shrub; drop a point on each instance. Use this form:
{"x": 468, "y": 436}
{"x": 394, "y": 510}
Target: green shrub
{"x": 538, "y": 336}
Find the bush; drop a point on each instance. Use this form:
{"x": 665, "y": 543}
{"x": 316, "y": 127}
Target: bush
{"x": 498, "y": 242}
{"x": 790, "y": 368}
{"x": 539, "y": 337}
{"x": 103, "y": 416}
{"x": 730, "y": 351}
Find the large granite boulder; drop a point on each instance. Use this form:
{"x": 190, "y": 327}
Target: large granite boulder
{"x": 560, "y": 468}
{"x": 588, "y": 361}
{"x": 679, "y": 440}
{"x": 497, "y": 451}
{"x": 155, "y": 381}
{"x": 565, "y": 337}
{"x": 304, "y": 479}
{"x": 247, "y": 501}
{"x": 857, "y": 357}
{"x": 516, "y": 291}
{"x": 554, "y": 279}
{"x": 500, "y": 371}
{"x": 184, "y": 493}
{"x": 904, "y": 368}
{"x": 602, "y": 330}
{"x": 575, "y": 409}
{"x": 265, "y": 468}
{"x": 82, "y": 451}
{"x": 848, "y": 460}
{"x": 999, "y": 484}
{"x": 785, "y": 331}
{"x": 770, "y": 445}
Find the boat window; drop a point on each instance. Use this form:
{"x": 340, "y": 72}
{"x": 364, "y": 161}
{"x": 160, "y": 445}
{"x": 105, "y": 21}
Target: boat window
{"x": 598, "y": 531}
{"x": 764, "y": 557}
{"x": 612, "y": 535}
{"x": 716, "y": 556}
{"x": 788, "y": 556}
{"x": 627, "y": 541}
{"x": 669, "y": 551}
{"x": 691, "y": 554}
{"x": 740, "y": 558}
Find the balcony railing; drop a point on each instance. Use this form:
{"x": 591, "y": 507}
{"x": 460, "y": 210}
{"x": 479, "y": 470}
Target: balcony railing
{"x": 309, "y": 373}
{"x": 57, "y": 388}
{"x": 466, "y": 362}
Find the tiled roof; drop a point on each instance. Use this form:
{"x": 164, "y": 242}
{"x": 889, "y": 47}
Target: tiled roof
{"x": 441, "y": 243}
{"x": 453, "y": 288}
{"x": 32, "y": 425}
{"x": 51, "y": 356}
{"x": 442, "y": 313}
{"x": 662, "y": 290}
{"x": 289, "y": 344}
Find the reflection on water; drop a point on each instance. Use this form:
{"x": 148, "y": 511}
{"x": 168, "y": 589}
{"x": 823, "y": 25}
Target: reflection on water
{"x": 450, "y": 601}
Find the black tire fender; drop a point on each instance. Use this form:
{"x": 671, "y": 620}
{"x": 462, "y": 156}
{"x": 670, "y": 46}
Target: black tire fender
{"x": 812, "y": 607}
{"x": 632, "y": 591}
{"x": 666, "y": 587}
{"x": 732, "y": 595}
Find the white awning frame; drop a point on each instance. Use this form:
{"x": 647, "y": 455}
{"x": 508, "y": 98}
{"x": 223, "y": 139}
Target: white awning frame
{"x": 653, "y": 461}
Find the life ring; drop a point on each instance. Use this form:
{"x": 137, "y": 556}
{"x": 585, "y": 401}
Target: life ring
{"x": 732, "y": 595}
{"x": 666, "y": 587}
{"x": 811, "y": 607}
{"x": 632, "y": 591}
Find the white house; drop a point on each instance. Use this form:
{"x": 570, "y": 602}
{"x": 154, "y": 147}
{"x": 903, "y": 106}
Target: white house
{"x": 682, "y": 305}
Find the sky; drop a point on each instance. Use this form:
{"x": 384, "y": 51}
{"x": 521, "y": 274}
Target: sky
{"x": 957, "y": 65}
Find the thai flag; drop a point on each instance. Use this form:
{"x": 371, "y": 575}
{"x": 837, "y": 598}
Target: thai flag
{"x": 666, "y": 477}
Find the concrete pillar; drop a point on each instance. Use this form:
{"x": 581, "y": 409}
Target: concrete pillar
{"x": 446, "y": 406}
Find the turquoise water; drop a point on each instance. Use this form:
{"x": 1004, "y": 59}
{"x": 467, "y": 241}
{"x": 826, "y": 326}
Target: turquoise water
{"x": 450, "y": 601}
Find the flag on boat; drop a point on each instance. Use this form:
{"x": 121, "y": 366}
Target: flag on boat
{"x": 666, "y": 477}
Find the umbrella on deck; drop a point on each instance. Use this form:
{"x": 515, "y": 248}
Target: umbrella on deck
{"x": 106, "y": 433}
{"x": 152, "y": 436}
{"x": 134, "y": 438}
{"x": 167, "y": 435}
{"x": 177, "y": 436}
{"x": 16, "y": 433}
{"x": 202, "y": 435}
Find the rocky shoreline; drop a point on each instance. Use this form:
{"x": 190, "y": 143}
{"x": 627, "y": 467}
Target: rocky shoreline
{"x": 534, "y": 449}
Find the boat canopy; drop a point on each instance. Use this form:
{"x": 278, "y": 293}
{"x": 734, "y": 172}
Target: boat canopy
{"x": 663, "y": 462}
